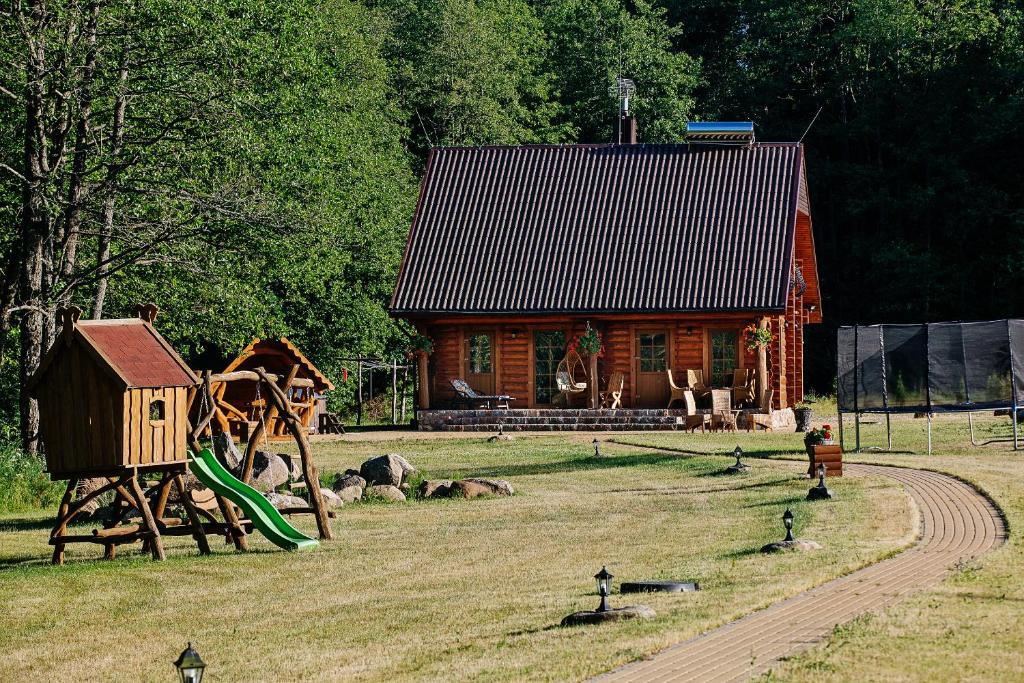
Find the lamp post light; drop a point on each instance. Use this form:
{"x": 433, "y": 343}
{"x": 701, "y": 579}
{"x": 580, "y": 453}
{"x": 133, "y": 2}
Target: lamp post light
{"x": 787, "y": 519}
{"x": 190, "y": 665}
{"x": 820, "y": 492}
{"x": 597, "y": 447}
{"x": 604, "y": 587}
{"x": 738, "y": 466}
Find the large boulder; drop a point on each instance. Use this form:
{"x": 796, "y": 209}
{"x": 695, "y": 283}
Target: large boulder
{"x": 283, "y": 501}
{"x": 226, "y": 451}
{"x": 438, "y": 488}
{"x": 269, "y": 471}
{"x": 294, "y": 465}
{"x": 469, "y": 489}
{"x": 331, "y": 499}
{"x": 385, "y": 492}
{"x": 344, "y": 481}
{"x": 386, "y": 470}
{"x": 498, "y": 487}
{"x": 84, "y": 488}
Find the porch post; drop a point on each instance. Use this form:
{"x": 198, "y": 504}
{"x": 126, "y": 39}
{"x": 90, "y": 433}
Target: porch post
{"x": 421, "y": 366}
{"x": 594, "y": 405}
{"x": 762, "y": 370}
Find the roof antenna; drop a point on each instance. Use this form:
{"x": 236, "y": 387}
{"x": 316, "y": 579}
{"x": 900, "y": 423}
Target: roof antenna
{"x": 623, "y": 90}
{"x": 800, "y": 141}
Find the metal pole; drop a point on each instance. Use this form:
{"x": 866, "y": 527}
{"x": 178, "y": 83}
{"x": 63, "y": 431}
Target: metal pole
{"x": 394, "y": 391}
{"x": 856, "y": 388}
{"x": 405, "y": 389}
{"x": 371, "y": 368}
{"x": 970, "y": 423}
{"x": 929, "y": 433}
{"x": 888, "y": 429}
{"x": 359, "y": 398}
{"x": 842, "y": 444}
{"x": 1013, "y": 384}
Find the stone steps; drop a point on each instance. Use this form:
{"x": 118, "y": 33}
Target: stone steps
{"x": 570, "y": 420}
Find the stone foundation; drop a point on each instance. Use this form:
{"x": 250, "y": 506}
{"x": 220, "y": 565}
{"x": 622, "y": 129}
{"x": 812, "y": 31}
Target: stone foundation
{"x": 573, "y": 420}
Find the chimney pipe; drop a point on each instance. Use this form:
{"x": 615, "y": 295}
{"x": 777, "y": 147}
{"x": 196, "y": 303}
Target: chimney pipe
{"x": 628, "y": 129}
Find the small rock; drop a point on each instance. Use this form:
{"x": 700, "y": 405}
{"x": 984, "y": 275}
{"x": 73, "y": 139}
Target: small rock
{"x": 469, "y": 489}
{"x": 404, "y": 487}
{"x": 282, "y": 501}
{"x": 352, "y": 471}
{"x": 631, "y": 612}
{"x": 500, "y": 437}
{"x": 387, "y": 470}
{"x": 439, "y": 488}
{"x": 499, "y": 487}
{"x": 790, "y": 546}
{"x": 269, "y": 471}
{"x": 385, "y": 492}
{"x": 226, "y": 451}
{"x": 331, "y": 499}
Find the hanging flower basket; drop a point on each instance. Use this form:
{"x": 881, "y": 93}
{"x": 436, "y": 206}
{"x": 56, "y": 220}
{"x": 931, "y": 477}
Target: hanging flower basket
{"x": 757, "y": 338}
{"x": 588, "y": 343}
{"x": 421, "y": 343}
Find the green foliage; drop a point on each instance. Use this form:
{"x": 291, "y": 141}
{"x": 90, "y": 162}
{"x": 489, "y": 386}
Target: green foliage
{"x": 24, "y": 483}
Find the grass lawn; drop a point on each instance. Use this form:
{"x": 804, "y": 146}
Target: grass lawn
{"x": 969, "y": 628}
{"x": 430, "y": 590}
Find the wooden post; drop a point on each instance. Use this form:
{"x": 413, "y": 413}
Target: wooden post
{"x": 421, "y": 367}
{"x": 309, "y": 473}
{"x": 594, "y": 405}
{"x": 394, "y": 391}
{"x": 235, "y": 531}
{"x": 762, "y": 371}
{"x": 61, "y": 527}
{"x": 156, "y": 544}
{"x": 359, "y": 392}
{"x": 405, "y": 389}
{"x": 194, "y": 519}
{"x": 269, "y": 413}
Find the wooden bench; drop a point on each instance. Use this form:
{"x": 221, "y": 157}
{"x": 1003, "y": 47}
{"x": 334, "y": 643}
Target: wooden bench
{"x": 831, "y": 456}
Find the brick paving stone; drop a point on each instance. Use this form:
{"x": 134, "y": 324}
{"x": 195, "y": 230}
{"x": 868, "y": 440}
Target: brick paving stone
{"x": 957, "y": 523}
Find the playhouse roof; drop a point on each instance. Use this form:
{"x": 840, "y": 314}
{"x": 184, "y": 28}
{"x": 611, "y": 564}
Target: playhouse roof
{"x": 129, "y": 349}
{"x": 604, "y": 228}
{"x": 283, "y": 349}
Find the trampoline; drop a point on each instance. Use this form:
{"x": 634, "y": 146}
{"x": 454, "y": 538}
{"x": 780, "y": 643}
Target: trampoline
{"x": 950, "y": 367}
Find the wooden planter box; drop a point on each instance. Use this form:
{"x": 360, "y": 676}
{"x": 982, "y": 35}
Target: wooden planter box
{"x": 831, "y": 455}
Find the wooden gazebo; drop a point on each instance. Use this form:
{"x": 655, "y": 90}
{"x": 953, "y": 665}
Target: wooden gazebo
{"x": 240, "y": 403}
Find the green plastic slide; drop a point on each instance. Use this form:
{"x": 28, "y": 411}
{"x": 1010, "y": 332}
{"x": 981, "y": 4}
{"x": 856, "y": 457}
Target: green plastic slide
{"x": 264, "y": 516}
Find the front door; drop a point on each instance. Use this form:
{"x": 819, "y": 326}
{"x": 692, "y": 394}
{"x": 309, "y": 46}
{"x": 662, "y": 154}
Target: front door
{"x": 479, "y": 355}
{"x": 548, "y": 351}
{"x": 652, "y": 351}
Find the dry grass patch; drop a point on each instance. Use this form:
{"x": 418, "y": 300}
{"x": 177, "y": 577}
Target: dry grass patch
{"x": 450, "y": 589}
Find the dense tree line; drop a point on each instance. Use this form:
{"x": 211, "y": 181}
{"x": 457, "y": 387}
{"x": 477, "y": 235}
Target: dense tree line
{"x": 252, "y": 166}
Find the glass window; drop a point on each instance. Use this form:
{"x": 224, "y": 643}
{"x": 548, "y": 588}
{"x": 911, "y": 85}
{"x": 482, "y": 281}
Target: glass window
{"x": 156, "y": 410}
{"x": 548, "y": 351}
{"x": 723, "y": 357}
{"x": 652, "y": 352}
{"x": 480, "y": 354}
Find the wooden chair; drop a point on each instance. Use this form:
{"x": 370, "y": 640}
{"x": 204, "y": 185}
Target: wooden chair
{"x": 722, "y": 416}
{"x": 470, "y": 397}
{"x": 677, "y": 391}
{"x": 693, "y": 418}
{"x": 565, "y": 378}
{"x": 742, "y": 387}
{"x": 763, "y": 418}
{"x": 612, "y": 396}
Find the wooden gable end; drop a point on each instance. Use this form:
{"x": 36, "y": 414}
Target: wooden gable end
{"x": 803, "y": 249}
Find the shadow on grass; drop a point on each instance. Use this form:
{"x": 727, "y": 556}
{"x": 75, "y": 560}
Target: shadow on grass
{"x": 740, "y": 554}
{"x": 570, "y": 465}
{"x": 789, "y": 500}
{"x": 26, "y": 524}
{"x": 716, "y": 489}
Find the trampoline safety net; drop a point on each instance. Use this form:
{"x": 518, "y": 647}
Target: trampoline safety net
{"x": 932, "y": 367}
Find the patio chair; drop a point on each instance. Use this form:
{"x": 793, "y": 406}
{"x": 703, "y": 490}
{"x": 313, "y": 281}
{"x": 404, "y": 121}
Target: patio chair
{"x": 612, "y": 396}
{"x": 695, "y": 383}
{"x": 565, "y": 378}
{"x": 469, "y": 397}
{"x": 722, "y": 416}
{"x": 677, "y": 391}
{"x": 763, "y": 419}
{"x": 693, "y": 419}
{"x": 742, "y": 387}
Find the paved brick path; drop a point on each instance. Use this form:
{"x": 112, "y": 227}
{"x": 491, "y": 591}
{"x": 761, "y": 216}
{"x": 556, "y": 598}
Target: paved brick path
{"x": 957, "y": 523}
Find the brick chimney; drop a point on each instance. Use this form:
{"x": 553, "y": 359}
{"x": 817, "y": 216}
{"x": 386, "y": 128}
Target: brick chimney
{"x": 629, "y": 129}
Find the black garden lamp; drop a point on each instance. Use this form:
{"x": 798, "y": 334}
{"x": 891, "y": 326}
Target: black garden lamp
{"x": 787, "y": 519}
{"x": 738, "y": 452}
{"x": 604, "y": 587}
{"x": 597, "y": 448}
{"x": 190, "y": 666}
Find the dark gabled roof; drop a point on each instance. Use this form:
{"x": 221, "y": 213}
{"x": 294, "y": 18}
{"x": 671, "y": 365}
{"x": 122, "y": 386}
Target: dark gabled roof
{"x": 602, "y": 228}
{"x": 255, "y": 354}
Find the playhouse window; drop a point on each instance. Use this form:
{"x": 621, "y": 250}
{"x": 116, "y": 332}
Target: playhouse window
{"x": 156, "y": 410}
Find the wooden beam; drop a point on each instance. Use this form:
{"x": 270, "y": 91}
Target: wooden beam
{"x": 254, "y": 377}
{"x": 269, "y": 414}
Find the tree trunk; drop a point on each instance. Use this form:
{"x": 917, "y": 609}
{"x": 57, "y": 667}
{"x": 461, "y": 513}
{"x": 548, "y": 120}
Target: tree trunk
{"x": 117, "y": 142}
{"x": 762, "y": 370}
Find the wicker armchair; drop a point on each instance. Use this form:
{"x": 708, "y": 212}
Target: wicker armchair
{"x": 743, "y": 387}
{"x": 695, "y": 383}
{"x": 678, "y": 392}
{"x": 722, "y": 416}
{"x": 693, "y": 419}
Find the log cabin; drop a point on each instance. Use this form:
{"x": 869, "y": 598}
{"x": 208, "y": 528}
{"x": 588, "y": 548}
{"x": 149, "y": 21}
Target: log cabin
{"x": 668, "y": 250}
